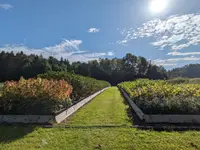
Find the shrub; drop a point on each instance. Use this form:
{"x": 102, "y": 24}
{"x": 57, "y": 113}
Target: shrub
{"x": 35, "y": 96}
{"x": 82, "y": 86}
{"x": 160, "y": 97}
{"x": 181, "y": 80}
{"x": 1, "y": 87}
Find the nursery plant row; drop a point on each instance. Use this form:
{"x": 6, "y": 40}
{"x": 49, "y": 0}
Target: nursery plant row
{"x": 48, "y": 94}
{"x": 162, "y": 97}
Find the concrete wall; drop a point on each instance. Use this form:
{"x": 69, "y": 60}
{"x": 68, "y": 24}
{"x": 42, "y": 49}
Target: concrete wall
{"x": 137, "y": 110}
{"x": 62, "y": 116}
{"x": 161, "y": 118}
{"x": 42, "y": 119}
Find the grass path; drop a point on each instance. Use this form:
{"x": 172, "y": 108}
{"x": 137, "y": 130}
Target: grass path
{"x": 106, "y": 109}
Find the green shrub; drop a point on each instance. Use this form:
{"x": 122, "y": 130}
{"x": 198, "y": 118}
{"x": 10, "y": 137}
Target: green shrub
{"x": 1, "y": 87}
{"x": 161, "y": 97}
{"x": 82, "y": 86}
{"x": 35, "y": 96}
{"x": 181, "y": 80}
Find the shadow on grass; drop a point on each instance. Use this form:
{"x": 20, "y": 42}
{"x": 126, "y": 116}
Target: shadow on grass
{"x": 9, "y": 133}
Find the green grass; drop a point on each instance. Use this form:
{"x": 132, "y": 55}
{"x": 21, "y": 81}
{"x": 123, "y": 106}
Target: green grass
{"x": 96, "y": 138}
{"x": 97, "y": 112}
{"x": 105, "y": 109}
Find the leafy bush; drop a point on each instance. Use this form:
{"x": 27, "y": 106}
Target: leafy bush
{"x": 82, "y": 86}
{"x": 180, "y": 80}
{"x": 35, "y": 96}
{"x": 161, "y": 97}
{"x": 1, "y": 87}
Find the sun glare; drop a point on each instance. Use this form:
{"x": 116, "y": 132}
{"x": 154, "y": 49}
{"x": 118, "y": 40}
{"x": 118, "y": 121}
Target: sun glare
{"x": 157, "y": 6}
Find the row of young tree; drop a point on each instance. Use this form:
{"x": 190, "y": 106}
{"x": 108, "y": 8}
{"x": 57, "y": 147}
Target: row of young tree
{"x": 189, "y": 71}
{"x": 130, "y": 67}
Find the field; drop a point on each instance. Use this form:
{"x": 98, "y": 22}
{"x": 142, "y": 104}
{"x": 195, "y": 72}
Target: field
{"x": 89, "y": 131}
{"x": 161, "y": 97}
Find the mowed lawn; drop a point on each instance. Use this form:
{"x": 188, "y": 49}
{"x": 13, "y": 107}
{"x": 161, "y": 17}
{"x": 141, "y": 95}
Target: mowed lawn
{"x": 92, "y": 133}
{"x": 106, "y": 109}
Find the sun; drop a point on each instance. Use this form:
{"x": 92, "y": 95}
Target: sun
{"x": 157, "y": 6}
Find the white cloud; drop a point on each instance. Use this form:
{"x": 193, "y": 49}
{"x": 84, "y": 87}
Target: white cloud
{"x": 175, "y": 32}
{"x": 174, "y": 61}
{"x": 93, "y": 30}
{"x": 183, "y": 54}
{"x": 167, "y": 65}
{"x": 68, "y": 49}
{"x": 110, "y": 53}
{"x": 123, "y": 42}
{"x": 85, "y": 57}
{"x": 6, "y": 6}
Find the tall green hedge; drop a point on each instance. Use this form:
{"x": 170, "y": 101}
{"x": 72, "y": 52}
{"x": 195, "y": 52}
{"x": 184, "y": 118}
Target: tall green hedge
{"x": 82, "y": 86}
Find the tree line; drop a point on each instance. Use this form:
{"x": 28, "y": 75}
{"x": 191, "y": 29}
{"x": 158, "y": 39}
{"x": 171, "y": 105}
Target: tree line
{"x": 130, "y": 67}
{"x": 189, "y": 71}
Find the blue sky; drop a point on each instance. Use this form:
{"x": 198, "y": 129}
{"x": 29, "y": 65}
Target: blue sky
{"x": 92, "y": 29}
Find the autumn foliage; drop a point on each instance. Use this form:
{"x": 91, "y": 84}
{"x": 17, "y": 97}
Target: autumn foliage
{"x": 35, "y": 96}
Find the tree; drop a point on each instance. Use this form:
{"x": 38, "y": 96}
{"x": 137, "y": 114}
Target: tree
{"x": 115, "y": 70}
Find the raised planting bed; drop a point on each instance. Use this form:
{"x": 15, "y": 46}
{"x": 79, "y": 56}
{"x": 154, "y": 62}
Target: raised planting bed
{"x": 161, "y": 102}
{"x": 41, "y": 100}
{"x": 44, "y": 119}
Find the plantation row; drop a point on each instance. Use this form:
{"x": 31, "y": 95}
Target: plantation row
{"x": 50, "y": 93}
{"x": 162, "y": 97}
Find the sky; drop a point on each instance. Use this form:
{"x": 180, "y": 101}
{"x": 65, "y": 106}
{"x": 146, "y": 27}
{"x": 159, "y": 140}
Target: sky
{"x": 166, "y": 32}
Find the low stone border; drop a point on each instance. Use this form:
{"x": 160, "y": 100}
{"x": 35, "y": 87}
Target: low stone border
{"x": 43, "y": 119}
{"x": 62, "y": 116}
{"x": 161, "y": 118}
{"x": 137, "y": 110}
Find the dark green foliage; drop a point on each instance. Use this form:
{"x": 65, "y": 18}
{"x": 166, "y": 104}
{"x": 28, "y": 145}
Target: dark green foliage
{"x": 118, "y": 70}
{"x": 190, "y": 71}
{"x": 170, "y": 105}
{"x": 1, "y": 86}
{"x": 12, "y": 66}
{"x": 115, "y": 70}
{"x": 82, "y": 86}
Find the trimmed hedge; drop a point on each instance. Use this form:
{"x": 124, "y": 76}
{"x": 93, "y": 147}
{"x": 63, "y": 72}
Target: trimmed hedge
{"x": 82, "y": 86}
{"x": 35, "y": 96}
{"x": 160, "y": 97}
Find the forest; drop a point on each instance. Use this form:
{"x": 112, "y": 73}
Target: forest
{"x": 115, "y": 70}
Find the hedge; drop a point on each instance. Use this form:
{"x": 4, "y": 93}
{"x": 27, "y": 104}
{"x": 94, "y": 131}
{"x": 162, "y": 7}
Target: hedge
{"x": 35, "y": 96}
{"x": 161, "y": 97}
{"x": 181, "y": 80}
{"x": 82, "y": 86}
